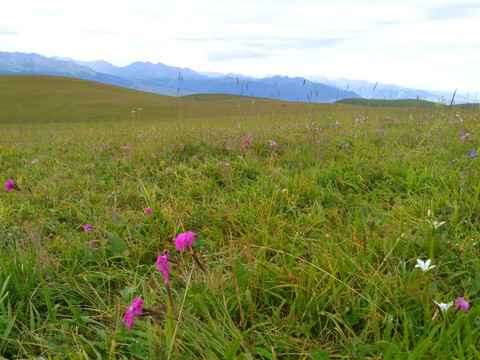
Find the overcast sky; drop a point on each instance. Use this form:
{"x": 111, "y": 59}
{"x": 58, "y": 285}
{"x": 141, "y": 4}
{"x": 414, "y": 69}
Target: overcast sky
{"x": 422, "y": 44}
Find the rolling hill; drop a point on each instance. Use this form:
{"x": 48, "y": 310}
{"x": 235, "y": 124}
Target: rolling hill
{"x": 46, "y": 98}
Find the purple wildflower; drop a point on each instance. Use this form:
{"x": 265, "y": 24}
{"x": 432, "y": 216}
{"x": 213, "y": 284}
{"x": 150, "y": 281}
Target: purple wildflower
{"x": 9, "y": 185}
{"x": 462, "y": 304}
{"x": 137, "y": 305}
{"x": 184, "y": 240}
{"x": 87, "y": 228}
{"x": 134, "y": 310}
{"x": 128, "y": 318}
{"x": 163, "y": 265}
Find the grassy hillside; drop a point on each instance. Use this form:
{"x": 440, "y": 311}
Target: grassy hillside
{"x": 389, "y": 103}
{"x": 27, "y": 98}
{"x": 50, "y": 98}
{"x": 39, "y": 98}
{"x": 402, "y": 103}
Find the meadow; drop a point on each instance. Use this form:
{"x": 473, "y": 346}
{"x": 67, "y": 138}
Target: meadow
{"x": 309, "y": 220}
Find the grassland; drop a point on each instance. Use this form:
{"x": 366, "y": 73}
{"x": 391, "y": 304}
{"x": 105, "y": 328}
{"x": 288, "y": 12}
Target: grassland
{"x": 408, "y": 103}
{"x": 401, "y": 103}
{"x": 309, "y": 246}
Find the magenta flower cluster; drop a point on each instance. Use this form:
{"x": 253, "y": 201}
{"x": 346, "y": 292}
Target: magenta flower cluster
{"x": 133, "y": 311}
{"x": 462, "y": 304}
{"x": 183, "y": 241}
{"x": 87, "y": 228}
{"x": 9, "y": 185}
{"x": 245, "y": 144}
{"x": 163, "y": 265}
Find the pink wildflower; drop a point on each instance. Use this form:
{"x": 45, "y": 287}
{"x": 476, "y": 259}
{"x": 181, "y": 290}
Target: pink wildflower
{"x": 87, "y": 228}
{"x": 184, "y": 240}
{"x": 463, "y": 304}
{"x": 180, "y": 242}
{"x": 137, "y": 305}
{"x": 429, "y": 135}
{"x": 163, "y": 265}
{"x": 245, "y": 143}
{"x": 273, "y": 143}
{"x": 128, "y": 318}
{"x": 134, "y": 310}
{"x": 148, "y": 211}
{"x": 9, "y": 185}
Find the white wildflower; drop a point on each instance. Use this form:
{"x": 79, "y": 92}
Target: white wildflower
{"x": 424, "y": 265}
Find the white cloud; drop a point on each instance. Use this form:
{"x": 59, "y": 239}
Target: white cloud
{"x": 422, "y": 44}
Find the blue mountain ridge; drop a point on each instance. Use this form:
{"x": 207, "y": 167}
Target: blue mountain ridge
{"x": 175, "y": 81}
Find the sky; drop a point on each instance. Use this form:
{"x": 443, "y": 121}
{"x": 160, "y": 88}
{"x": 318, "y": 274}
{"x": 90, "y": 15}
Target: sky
{"x": 418, "y": 44}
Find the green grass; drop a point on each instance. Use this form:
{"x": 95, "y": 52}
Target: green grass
{"x": 32, "y": 98}
{"x": 401, "y": 103}
{"x": 309, "y": 246}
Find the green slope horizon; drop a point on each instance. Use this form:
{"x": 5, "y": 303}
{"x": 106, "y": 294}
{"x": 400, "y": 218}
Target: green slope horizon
{"x": 45, "y": 98}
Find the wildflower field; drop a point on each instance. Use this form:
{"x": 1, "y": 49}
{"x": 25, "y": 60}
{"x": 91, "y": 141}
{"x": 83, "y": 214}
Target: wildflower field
{"x": 135, "y": 226}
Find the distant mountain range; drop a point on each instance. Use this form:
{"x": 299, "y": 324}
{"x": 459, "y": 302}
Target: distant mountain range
{"x": 174, "y": 81}
{"x": 369, "y": 90}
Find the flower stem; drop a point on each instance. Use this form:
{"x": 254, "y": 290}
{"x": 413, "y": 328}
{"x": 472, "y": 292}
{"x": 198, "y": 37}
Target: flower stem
{"x": 169, "y": 292}
{"x": 197, "y": 260}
